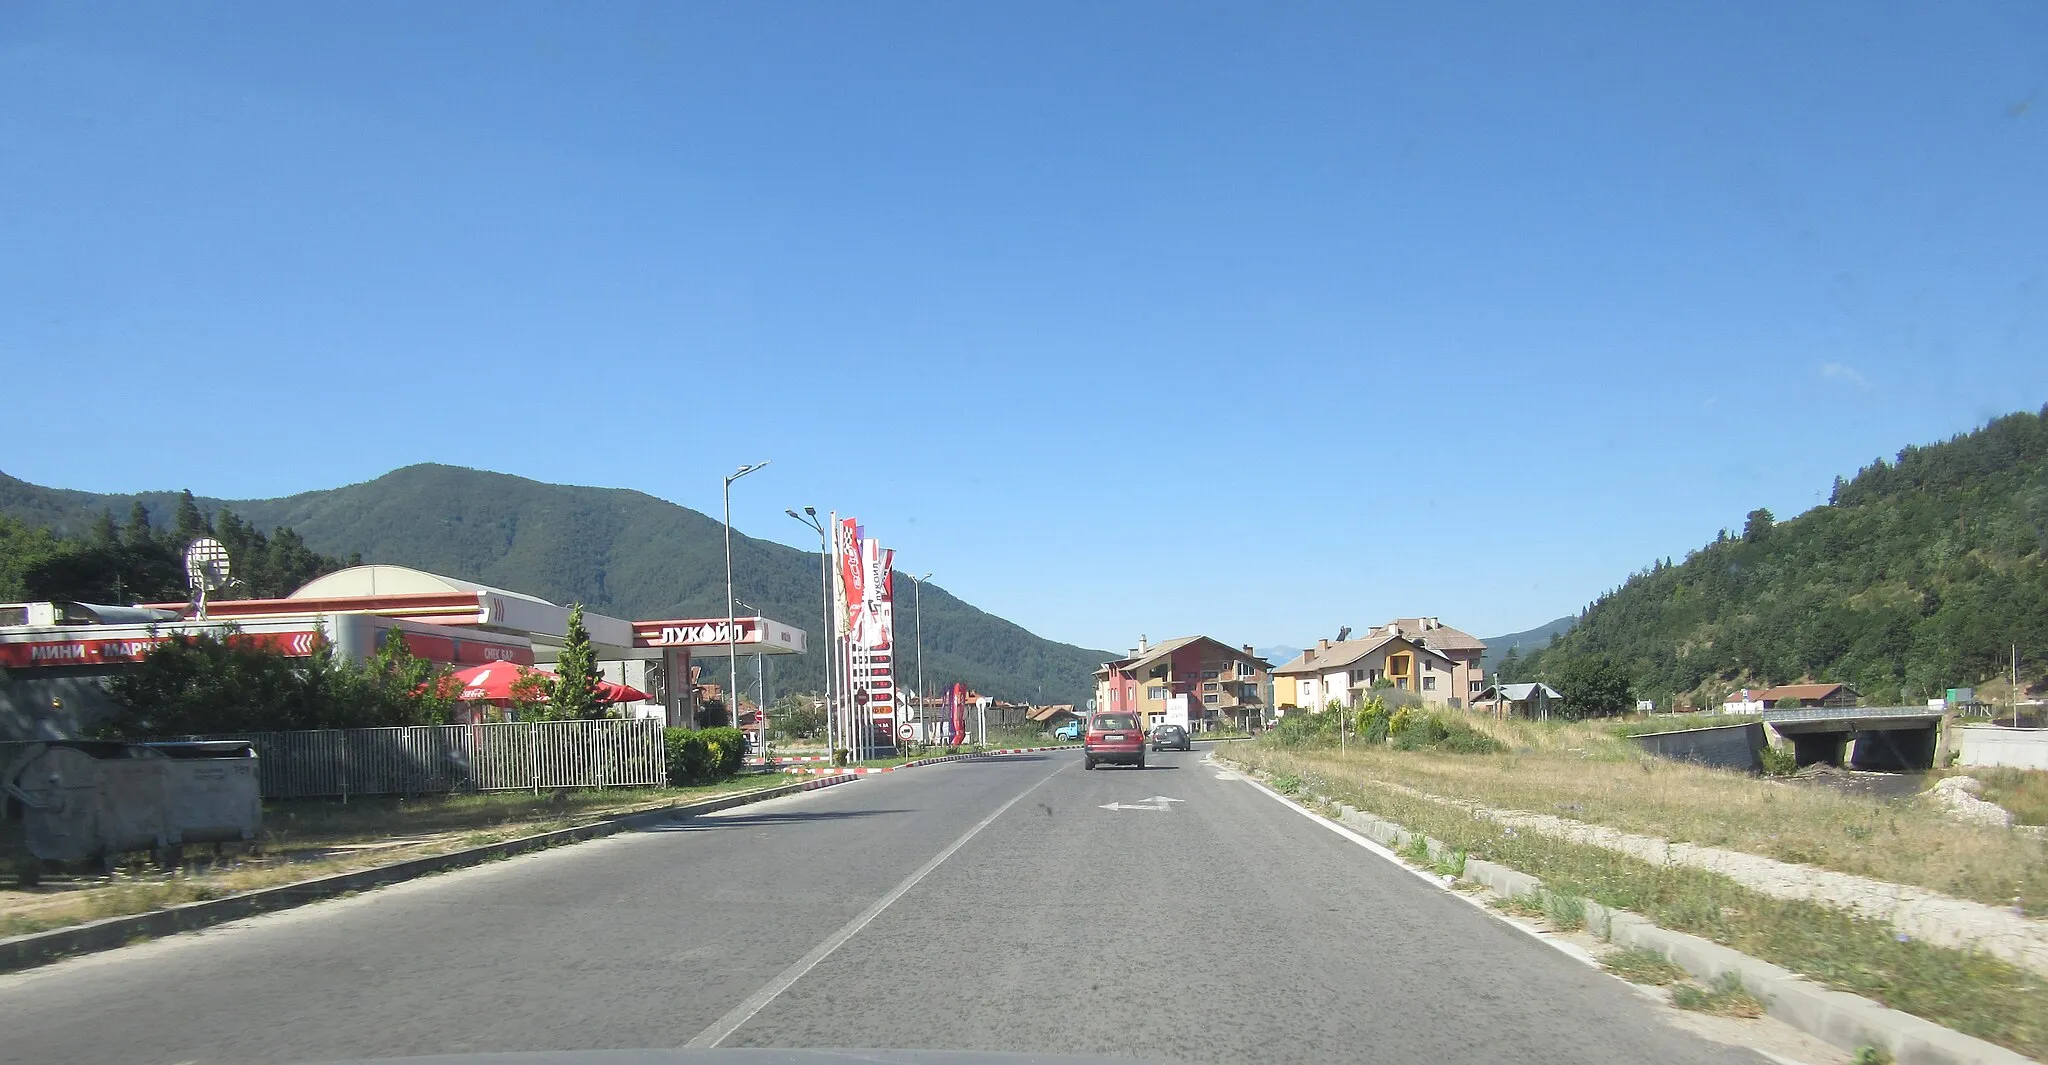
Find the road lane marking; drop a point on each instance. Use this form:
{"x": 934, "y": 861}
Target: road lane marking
{"x": 756, "y": 1002}
{"x": 1155, "y": 803}
{"x": 1565, "y": 947}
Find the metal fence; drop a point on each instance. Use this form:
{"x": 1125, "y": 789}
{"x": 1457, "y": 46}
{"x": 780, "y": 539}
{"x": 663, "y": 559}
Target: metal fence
{"x": 440, "y": 758}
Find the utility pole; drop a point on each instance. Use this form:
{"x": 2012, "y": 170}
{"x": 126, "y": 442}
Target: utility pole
{"x": 810, "y": 517}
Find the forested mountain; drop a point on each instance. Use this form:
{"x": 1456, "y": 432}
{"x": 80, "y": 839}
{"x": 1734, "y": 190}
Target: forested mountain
{"x": 619, "y": 552}
{"x": 142, "y": 562}
{"x": 1919, "y": 574}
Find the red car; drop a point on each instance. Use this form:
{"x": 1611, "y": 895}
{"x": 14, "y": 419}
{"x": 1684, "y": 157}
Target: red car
{"x": 1113, "y": 737}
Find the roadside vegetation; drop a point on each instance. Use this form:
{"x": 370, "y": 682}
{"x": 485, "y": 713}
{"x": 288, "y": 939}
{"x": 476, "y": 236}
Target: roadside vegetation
{"x": 303, "y": 840}
{"x": 2022, "y": 791}
{"x": 1584, "y": 771}
{"x": 1968, "y": 991}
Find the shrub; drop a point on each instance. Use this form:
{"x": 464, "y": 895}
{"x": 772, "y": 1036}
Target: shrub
{"x": 1780, "y": 761}
{"x": 697, "y": 756}
{"x": 1372, "y": 720}
{"x": 1412, "y": 730}
{"x": 1304, "y": 729}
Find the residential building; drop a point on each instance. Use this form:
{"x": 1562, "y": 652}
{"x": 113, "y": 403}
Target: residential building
{"x": 1758, "y": 700}
{"x": 1345, "y": 671}
{"x": 1462, "y": 648}
{"x": 1517, "y": 700}
{"x": 1224, "y": 685}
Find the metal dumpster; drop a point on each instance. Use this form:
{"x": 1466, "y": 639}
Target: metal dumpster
{"x": 92, "y": 799}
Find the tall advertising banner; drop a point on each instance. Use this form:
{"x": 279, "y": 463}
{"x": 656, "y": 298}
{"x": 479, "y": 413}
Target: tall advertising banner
{"x": 867, "y": 613}
{"x": 956, "y": 702}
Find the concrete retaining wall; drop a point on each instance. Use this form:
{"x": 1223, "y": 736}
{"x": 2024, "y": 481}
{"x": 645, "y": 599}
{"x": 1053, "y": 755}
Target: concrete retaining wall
{"x": 1724, "y": 747}
{"x": 1994, "y": 745}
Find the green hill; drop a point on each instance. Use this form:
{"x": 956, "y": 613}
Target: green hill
{"x": 1919, "y": 574}
{"x": 619, "y": 552}
{"x": 1522, "y": 643}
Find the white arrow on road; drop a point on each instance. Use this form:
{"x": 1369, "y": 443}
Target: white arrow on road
{"x": 1155, "y": 803}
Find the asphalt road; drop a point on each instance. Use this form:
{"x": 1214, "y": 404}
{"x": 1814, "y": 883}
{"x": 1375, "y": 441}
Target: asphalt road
{"x": 987, "y": 905}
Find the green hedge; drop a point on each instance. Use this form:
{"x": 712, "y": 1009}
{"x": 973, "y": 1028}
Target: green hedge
{"x": 702, "y": 755}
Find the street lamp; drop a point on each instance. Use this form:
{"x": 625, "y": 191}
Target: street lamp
{"x": 732, "y": 650}
{"x": 917, "y": 610}
{"x": 810, "y": 517}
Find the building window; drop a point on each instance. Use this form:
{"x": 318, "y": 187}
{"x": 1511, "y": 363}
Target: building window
{"x": 1358, "y": 676}
{"x": 1209, "y": 674}
{"x": 1246, "y": 669}
{"x": 1429, "y": 682}
{"x": 1156, "y": 692}
{"x": 1208, "y": 698}
{"x": 1210, "y": 686}
{"x": 1474, "y": 687}
{"x": 1249, "y": 691}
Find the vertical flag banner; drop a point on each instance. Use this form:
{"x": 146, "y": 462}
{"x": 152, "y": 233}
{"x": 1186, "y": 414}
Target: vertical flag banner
{"x": 866, "y": 616}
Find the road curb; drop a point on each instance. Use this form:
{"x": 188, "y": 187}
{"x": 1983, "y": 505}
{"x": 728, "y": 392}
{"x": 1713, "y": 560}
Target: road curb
{"x": 39, "y": 948}
{"x": 1837, "y": 1017}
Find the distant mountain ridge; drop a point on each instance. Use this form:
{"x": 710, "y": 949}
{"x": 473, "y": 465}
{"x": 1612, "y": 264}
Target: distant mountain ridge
{"x": 617, "y": 551}
{"x": 1527, "y": 640}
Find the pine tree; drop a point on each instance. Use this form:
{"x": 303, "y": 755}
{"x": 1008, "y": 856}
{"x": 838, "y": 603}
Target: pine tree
{"x": 573, "y": 694}
{"x": 190, "y": 523}
{"x": 105, "y": 533}
{"x": 138, "y": 533}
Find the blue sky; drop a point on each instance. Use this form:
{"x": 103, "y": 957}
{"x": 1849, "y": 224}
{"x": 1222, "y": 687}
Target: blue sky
{"x": 1246, "y": 319}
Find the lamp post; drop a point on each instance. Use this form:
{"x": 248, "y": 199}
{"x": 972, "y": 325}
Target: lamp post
{"x": 917, "y": 611}
{"x": 732, "y": 649}
{"x": 810, "y": 517}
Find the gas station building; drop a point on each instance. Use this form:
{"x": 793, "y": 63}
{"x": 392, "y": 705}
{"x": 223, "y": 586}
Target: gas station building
{"x": 54, "y": 656}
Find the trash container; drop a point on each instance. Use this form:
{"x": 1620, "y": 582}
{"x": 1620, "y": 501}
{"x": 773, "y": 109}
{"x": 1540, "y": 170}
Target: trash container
{"x": 91, "y": 799}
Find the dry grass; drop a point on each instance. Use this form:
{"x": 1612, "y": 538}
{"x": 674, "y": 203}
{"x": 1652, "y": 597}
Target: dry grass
{"x": 2023, "y": 791}
{"x": 1584, "y": 772}
{"x": 308, "y": 840}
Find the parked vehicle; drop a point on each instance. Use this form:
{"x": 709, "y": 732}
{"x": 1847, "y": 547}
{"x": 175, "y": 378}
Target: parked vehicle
{"x": 1069, "y": 731}
{"x": 1174, "y": 737}
{"x": 1113, "y": 738}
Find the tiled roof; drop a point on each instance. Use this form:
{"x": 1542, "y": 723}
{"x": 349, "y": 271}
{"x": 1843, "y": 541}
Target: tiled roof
{"x": 1517, "y": 693}
{"x": 1801, "y": 692}
{"x": 1442, "y": 637}
{"x": 1163, "y": 648}
{"x": 1339, "y": 655}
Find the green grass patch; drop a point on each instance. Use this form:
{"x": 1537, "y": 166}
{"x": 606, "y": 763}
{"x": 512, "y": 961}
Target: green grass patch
{"x": 1519, "y": 905}
{"x": 1566, "y": 911}
{"x": 1640, "y": 966}
{"x": 1725, "y": 998}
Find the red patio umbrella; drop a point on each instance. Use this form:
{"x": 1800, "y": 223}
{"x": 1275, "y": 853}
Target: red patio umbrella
{"x": 495, "y": 681}
{"x": 609, "y": 692}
